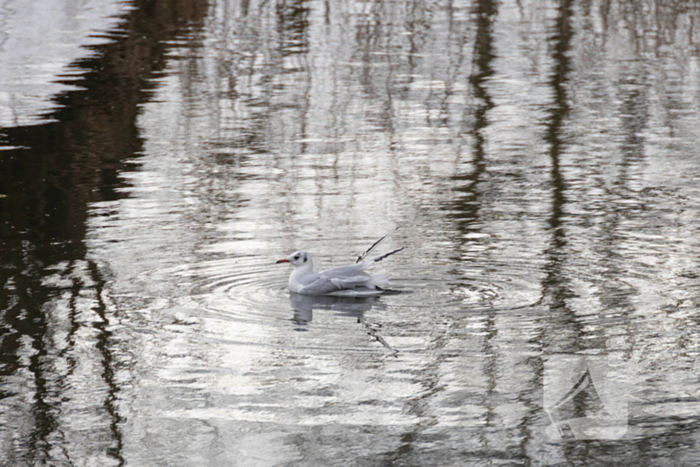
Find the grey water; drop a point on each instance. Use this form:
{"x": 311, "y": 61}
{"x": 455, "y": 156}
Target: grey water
{"x": 539, "y": 160}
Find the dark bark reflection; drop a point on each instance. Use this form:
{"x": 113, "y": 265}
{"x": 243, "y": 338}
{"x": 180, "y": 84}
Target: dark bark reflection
{"x": 467, "y": 204}
{"x": 50, "y": 176}
{"x": 555, "y": 284}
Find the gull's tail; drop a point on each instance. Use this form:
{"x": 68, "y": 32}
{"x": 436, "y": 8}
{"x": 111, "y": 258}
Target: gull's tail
{"x": 381, "y": 279}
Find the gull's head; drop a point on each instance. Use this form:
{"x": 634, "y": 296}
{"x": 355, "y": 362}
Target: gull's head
{"x": 296, "y": 259}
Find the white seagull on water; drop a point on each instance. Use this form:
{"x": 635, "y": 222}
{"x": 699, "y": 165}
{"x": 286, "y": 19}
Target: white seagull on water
{"x": 345, "y": 281}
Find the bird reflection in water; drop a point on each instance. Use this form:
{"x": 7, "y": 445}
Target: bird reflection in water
{"x": 304, "y": 306}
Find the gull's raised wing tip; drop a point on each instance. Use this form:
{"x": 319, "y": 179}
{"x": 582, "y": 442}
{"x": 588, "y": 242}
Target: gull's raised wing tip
{"x": 374, "y": 245}
{"x": 379, "y": 258}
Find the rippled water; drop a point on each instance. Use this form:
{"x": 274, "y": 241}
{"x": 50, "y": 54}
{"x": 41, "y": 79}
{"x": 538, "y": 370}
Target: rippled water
{"x": 538, "y": 161}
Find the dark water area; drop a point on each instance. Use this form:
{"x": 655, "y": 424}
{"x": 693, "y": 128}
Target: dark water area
{"x": 538, "y": 160}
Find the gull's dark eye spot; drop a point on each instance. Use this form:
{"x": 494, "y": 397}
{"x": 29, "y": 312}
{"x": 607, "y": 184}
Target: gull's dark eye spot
{"x": 296, "y": 257}
{"x": 305, "y": 258}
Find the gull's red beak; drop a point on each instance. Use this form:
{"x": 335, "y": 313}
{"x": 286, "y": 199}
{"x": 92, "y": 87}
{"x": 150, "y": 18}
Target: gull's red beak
{"x": 282, "y": 261}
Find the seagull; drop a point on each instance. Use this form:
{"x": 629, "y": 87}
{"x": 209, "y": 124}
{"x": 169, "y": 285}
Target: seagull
{"x": 344, "y": 281}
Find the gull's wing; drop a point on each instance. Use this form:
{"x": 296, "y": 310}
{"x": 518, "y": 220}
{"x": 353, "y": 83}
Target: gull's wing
{"x": 320, "y": 286}
{"x": 350, "y": 282}
{"x": 328, "y": 283}
{"x": 346, "y": 271}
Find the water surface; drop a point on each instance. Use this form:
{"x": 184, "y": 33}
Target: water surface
{"x": 539, "y": 160}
